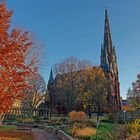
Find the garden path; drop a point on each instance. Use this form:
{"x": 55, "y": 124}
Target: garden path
{"x": 43, "y": 135}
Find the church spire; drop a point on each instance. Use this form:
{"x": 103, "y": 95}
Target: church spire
{"x": 107, "y": 34}
{"x": 51, "y": 77}
{"x": 110, "y": 62}
{"x": 106, "y": 60}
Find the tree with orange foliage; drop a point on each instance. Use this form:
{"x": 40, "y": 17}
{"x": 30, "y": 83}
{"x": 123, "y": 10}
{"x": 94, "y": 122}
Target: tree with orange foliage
{"x": 14, "y": 48}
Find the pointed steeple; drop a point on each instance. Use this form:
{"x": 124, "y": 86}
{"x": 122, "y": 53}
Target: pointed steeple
{"x": 109, "y": 63}
{"x": 106, "y": 61}
{"x": 107, "y": 34}
{"x": 51, "y": 80}
{"x": 102, "y": 54}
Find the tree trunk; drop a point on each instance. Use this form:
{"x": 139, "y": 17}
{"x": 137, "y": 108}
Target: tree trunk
{"x": 1, "y": 118}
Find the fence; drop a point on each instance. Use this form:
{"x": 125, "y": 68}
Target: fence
{"x": 26, "y": 113}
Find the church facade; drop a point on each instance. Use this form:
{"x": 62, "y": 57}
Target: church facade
{"x": 108, "y": 63}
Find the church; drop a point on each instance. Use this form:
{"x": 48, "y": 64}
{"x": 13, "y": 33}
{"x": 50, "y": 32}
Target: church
{"x": 108, "y": 64}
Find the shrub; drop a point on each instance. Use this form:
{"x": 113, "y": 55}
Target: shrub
{"x": 81, "y": 115}
{"x": 27, "y": 120}
{"x": 73, "y": 115}
{"x": 77, "y": 116}
{"x": 83, "y": 132}
{"x": 134, "y": 127}
{"x": 118, "y": 133}
{"x": 126, "y": 132}
{"x": 36, "y": 119}
{"x": 10, "y": 118}
{"x": 112, "y": 116}
{"x": 88, "y": 131}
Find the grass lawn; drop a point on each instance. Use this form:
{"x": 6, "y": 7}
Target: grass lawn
{"x": 10, "y": 133}
{"x": 106, "y": 127}
{"x": 7, "y": 128}
{"x": 103, "y": 131}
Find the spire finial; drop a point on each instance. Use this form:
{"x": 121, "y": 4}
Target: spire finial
{"x": 105, "y": 10}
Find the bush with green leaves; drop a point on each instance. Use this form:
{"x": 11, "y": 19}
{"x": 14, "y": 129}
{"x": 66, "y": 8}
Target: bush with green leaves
{"x": 37, "y": 119}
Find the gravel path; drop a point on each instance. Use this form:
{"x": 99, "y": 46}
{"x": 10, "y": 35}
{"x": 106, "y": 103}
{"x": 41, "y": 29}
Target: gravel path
{"x": 43, "y": 135}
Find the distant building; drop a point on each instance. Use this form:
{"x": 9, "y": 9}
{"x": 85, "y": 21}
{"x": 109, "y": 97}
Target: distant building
{"x": 124, "y": 102}
{"x": 126, "y": 106}
{"x": 108, "y": 63}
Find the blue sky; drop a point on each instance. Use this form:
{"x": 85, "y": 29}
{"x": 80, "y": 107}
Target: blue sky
{"x": 75, "y": 28}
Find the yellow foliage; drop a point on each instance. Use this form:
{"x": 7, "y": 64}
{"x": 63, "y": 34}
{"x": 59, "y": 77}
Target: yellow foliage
{"x": 77, "y": 116}
{"x": 134, "y": 127}
{"x": 83, "y": 132}
{"x": 27, "y": 120}
{"x": 93, "y": 72}
{"x": 84, "y": 98}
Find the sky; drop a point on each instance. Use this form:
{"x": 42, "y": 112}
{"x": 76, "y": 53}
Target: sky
{"x": 75, "y": 28}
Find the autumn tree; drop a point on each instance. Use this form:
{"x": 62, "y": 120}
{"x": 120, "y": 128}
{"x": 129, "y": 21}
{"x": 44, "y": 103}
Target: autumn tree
{"x": 68, "y": 75}
{"x": 95, "y": 90}
{"x": 14, "y": 71}
{"x": 81, "y": 86}
{"x": 134, "y": 93}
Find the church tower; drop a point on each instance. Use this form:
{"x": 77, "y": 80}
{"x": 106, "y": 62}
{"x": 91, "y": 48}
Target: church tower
{"x": 109, "y": 63}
